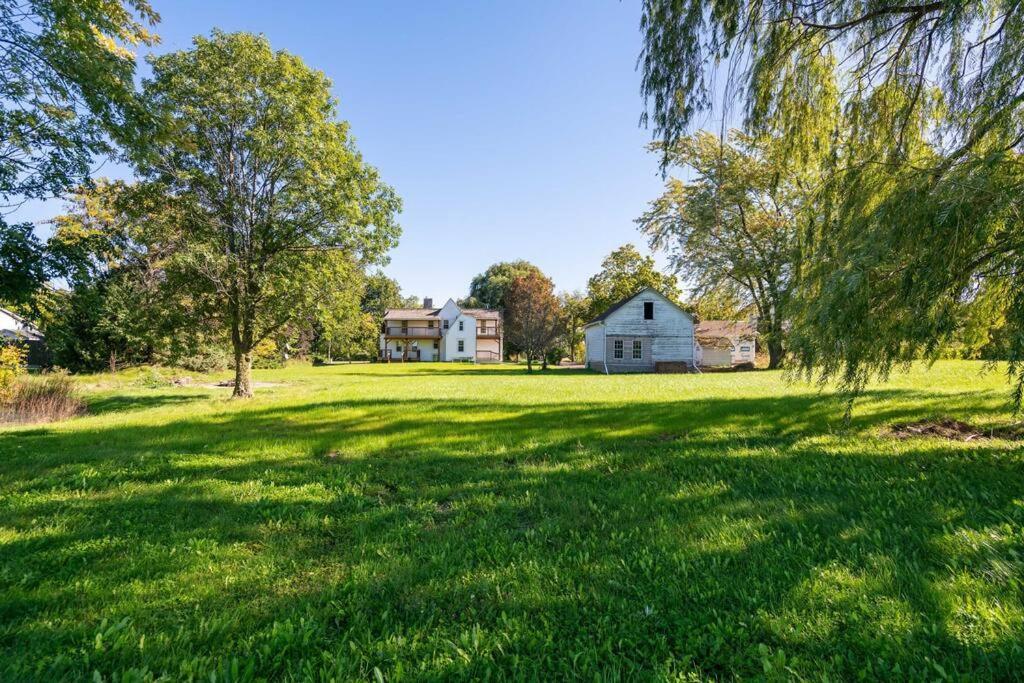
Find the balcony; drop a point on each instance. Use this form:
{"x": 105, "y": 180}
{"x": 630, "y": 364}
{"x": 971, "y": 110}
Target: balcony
{"x": 412, "y": 332}
{"x": 488, "y": 331}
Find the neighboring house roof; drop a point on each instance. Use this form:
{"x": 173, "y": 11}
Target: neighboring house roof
{"x": 729, "y": 329}
{"x": 25, "y": 330}
{"x": 619, "y": 304}
{"x": 432, "y": 313}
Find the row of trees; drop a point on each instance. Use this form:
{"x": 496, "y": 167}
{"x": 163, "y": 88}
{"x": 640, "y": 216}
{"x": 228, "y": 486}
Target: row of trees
{"x": 254, "y": 218}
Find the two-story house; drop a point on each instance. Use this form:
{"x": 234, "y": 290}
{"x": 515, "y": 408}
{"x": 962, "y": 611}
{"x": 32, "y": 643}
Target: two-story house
{"x": 448, "y": 333}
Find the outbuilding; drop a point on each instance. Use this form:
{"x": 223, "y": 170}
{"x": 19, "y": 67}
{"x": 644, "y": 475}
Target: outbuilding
{"x": 646, "y": 332}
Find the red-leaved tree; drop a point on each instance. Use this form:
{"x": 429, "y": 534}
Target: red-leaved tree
{"x": 532, "y": 317}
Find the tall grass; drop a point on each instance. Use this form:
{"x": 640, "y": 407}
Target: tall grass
{"x": 44, "y": 398}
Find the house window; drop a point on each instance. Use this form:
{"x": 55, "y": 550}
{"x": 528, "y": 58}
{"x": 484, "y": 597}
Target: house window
{"x": 461, "y": 324}
{"x": 462, "y": 346}
{"x": 398, "y": 347}
{"x": 437, "y": 345}
{"x": 648, "y": 310}
{"x": 430, "y": 324}
{"x": 638, "y": 349}
{"x": 446, "y": 324}
{"x": 405, "y": 326}
{"x": 745, "y": 349}
{"x": 617, "y": 348}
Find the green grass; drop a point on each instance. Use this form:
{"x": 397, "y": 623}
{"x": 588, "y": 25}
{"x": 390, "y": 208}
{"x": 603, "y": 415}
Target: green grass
{"x": 361, "y": 522}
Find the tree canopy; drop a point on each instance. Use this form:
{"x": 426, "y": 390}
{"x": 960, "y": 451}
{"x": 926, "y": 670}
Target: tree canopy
{"x": 913, "y": 114}
{"x": 624, "y": 272}
{"x": 733, "y": 227}
{"x": 277, "y": 197}
{"x": 533, "y": 317}
{"x": 488, "y": 289}
{"x": 67, "y": 95}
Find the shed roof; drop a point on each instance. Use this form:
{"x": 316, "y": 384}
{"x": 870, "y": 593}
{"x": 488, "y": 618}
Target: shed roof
{"x": 729, "y": 329}
{"x": 619, "y": 304}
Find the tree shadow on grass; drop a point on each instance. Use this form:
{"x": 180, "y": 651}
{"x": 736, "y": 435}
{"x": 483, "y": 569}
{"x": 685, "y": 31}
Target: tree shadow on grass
{"x": 460, "y": 538}
{"x": 123, "y": 403}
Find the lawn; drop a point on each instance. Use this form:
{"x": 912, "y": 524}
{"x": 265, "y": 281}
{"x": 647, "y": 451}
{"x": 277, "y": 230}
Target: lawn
{"x": 437, "y": 521}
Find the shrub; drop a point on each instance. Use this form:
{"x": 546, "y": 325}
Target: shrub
{"x": 44, "y": 398}
{"x": 266, "y": 355}
{"x": 12, "y": 364}
{"x": 205, "y": 359}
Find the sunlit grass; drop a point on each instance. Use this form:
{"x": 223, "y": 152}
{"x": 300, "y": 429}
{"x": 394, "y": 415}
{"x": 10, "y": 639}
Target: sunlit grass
{"x": 457, "y": 522}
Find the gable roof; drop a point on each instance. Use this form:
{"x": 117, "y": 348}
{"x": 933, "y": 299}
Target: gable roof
{"x": 432, "y": 313}
{"x": 619, "y": 304}
{"x": 729, "y": 329}
{"x": 25, "y": 331}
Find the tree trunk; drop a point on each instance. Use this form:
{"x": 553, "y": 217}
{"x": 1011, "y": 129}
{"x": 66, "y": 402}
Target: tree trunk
{"x": 529, "y": 363}
{"x": 243, "y": 374}
{"x": 775, "y": 352}
{"x": 113, "y": 361}
{"x": 544, "y": 362}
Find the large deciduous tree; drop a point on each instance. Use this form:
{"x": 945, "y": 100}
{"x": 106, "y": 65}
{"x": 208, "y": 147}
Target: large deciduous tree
{"x": 624, "y": 272}
{"x": 489, "y": 288}
{"x": 67, "y": 95}
{"x": 733, "y": 226}
{"x": 275, "y": 186}
{"x": 532, "y": 317}
{"x": 919, "y": 207}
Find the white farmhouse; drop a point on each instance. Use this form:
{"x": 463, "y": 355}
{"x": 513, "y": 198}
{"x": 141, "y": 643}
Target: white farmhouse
{"x": 14, "y": 328}
{"x": 646, "y": 332}
{"x": 448, "y": 333}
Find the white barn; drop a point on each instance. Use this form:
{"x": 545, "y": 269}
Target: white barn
{"x": 642, "y": 333}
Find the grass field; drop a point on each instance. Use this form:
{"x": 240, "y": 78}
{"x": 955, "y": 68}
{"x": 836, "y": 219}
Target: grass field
{"x": 390, "y": 522}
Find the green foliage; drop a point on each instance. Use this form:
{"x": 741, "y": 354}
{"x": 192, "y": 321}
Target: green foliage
{"x": 24, "y": 265}
{"x": 533, "y": 317}
{"x": 733, "y": 228}
{"x": 624, "y": 272}
{"x": 67, "y": 86}
{"x": 489, "y": 288}
{"x": 919, "y": 152}
{"x": 478, "y": 523}
{"x": 575, "y": 314}
{"x": 272, "y": 181}
{"x": 12, "y": 365}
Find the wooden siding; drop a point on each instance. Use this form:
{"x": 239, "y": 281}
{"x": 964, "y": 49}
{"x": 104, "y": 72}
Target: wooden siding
{"x": 671, "y": 330}
{"x": 627, "y": 361}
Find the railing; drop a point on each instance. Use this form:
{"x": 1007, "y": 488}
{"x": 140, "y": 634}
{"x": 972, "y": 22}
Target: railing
{"x": 488, "y": 331}
{"x": 399, "y": 331}
{"x": 400, "y": 356}
{"x": 487, "y": 357}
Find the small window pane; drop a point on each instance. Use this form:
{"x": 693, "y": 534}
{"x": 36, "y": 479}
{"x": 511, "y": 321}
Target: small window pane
{"x": 638, "y": 349}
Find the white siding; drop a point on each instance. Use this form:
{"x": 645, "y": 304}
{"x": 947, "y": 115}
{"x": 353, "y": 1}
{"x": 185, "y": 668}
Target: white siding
{"x": 594, "y": 336}
{"x": 450, "y": 341}
{"x": 671, "y": 330}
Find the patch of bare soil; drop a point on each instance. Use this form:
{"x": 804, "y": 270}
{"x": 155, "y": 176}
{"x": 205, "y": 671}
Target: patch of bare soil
{"x": 952, "y": 430}
{"x": 228, "y": 384}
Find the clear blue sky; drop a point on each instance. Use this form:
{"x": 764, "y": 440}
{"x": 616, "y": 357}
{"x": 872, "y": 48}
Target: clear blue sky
{"x": 510, "y": 130}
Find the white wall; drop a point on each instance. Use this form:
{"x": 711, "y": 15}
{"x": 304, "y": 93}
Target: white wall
{"x": 594, "y": 338}
{"x": 450, "y": 341}
{"x": 671, "y": 329}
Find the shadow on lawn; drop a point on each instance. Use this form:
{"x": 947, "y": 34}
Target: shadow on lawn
{"x": 628, "y": 538}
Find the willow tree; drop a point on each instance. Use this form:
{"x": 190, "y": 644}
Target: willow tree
{"x": 920, "y": 200}
{"x": 277, "y": 198}
{"x": 733, "y": 227}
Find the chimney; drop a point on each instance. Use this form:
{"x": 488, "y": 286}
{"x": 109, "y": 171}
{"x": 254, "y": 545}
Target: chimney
{"x": 428, "y": 302}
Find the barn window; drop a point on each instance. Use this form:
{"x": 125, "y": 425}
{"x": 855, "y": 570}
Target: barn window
{"x": 638, "y": 349}
{"x": 462, "y": 346}
{"x": 648, "y": 310}
{"x": 618, "y": 348}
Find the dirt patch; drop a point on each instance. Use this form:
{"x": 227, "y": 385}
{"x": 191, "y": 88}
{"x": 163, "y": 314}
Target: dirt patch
{"x": 952, "y": 430}
{"x": 229, "y": 384}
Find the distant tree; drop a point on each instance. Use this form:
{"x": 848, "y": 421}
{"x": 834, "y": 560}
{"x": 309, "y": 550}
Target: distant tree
{"x": 575, "y": 311}
{"x": 532, "y": 317}
{"x": 66, "y": 95}
{"x": 274, "y": 183}
{"x": 489, "y": 289}
{"x": 733, "y": 226}
{"x": 624, "y": 272}
{"x": 726, "y": 302}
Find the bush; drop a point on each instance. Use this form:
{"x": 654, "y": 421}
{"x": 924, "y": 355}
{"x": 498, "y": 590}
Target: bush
{"x": 44, "y": 398}
{"x": 266, "y": 355}
{"x": 205, "y": 359}
{"x": 12, "y": 364}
